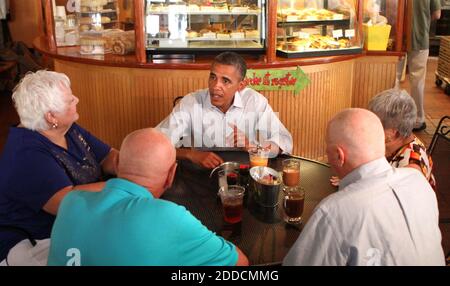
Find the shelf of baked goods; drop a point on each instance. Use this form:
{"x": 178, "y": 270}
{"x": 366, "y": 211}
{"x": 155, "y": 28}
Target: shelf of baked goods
{"x": 95, "y": 5}
{"x": 95, "y": 29}
{"x": 201, "y": 45}
{"x": 209, "y": 35}
{"x": 309, "y": 15}
{"x": 316, "y": 45}
{"x": 343, "y": 22}
{"x": 193, "y": 9}
{"x": 222, "y": 38}
{"x": 105, "y": 11}
{"x": 229, "y": 38}
{"x": 224, "y": 35}
{"x": 203, "y": 13}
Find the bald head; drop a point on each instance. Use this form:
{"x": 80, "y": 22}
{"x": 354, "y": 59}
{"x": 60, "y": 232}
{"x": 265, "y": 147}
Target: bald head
{"x": 146, "y": 155}
{"x": 359, "y": 134}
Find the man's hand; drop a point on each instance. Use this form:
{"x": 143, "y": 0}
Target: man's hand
{"x": 207, "y": 160}
{"x": 436, "y": 15}
{"x": 238, "y": 138}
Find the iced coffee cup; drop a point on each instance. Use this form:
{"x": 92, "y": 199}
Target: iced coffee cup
{"x": 291, "y": 172}
{"x": 293, "y": 204}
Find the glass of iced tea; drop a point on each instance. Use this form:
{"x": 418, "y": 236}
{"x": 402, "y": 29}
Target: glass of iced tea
{"x": 291, "y": 172}
{"x": 232, "y": 201}
{"x": 293, "y": 204}
{"x": 258, "y": 157}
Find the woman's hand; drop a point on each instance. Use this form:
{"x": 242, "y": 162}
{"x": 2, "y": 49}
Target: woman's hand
{"x": 334, "y": 181}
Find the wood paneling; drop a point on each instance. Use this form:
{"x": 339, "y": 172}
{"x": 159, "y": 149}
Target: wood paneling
{"x": 24, "y": 24}
{"x": 372, "y": 75}
{"x": 116, "y": 101}
{"x": 306, "y": 114}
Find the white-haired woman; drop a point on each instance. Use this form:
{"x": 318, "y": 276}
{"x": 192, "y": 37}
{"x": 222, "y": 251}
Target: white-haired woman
{"x": 397, "y": 112}
{"x": 46, "y": 156}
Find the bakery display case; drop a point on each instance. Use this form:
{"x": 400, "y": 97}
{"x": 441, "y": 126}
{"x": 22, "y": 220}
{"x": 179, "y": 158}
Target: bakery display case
{"x": 66, "y": 24}
{"x": 95, "y": 17}
{"x": 201, "y": 25}
{"x": 308, "y": 28}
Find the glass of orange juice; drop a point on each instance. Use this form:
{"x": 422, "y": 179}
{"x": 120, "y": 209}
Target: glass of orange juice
{"x": 258, "y": 157}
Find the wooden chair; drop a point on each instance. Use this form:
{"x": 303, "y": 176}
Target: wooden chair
{"x": 439, "y": 150}
{"x": 175, "y": 101}
{"x": 8, "y": 74}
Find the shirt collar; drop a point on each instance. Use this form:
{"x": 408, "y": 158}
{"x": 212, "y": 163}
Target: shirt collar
{"x": 129, "y": 187}
{"x": 371, "y": 168}
{"x": 237, "y": 101}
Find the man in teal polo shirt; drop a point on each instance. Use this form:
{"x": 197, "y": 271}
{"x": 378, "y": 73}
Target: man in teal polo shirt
{"x": 127, "y": 224}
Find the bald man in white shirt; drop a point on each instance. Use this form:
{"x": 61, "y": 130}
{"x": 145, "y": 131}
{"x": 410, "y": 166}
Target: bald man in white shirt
{"x": 380, "y": 216}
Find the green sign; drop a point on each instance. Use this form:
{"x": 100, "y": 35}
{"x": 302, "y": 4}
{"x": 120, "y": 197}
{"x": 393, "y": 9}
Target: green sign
{"x": 261, "y": 80}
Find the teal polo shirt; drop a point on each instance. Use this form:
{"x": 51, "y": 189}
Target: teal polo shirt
{"x": 125, "y": 225}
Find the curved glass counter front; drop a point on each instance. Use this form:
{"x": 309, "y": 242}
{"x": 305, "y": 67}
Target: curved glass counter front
{"x": 200, "y": 25}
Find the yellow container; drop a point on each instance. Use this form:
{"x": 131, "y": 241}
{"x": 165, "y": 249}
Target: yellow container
{"x": 376, "y": 37}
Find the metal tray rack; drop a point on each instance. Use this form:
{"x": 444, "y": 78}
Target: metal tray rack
{"x": 443, "y": 70}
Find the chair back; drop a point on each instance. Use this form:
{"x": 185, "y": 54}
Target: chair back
{"x": 440, "y": 152}
{"x": 175, "y": 101}
{"x": 26, "y": 254}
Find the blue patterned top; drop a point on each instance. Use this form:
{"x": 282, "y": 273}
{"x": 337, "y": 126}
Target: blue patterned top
{"x": 33, "y": 169}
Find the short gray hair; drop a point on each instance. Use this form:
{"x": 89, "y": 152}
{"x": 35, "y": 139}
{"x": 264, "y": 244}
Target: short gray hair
{"x": 38, "y": 93}
{"x": 396, "y": 109}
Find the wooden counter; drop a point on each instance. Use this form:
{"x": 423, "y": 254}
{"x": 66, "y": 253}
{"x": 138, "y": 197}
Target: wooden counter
{"x": 118, "y": 94}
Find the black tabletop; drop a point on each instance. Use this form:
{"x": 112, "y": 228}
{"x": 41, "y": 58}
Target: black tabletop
{"x": 262, "y": 235}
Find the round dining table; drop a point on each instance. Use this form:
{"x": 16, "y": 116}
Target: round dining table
{"x": 262, "y": 234}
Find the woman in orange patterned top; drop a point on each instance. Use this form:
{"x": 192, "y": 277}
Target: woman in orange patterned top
{"x": 397, "y": 112}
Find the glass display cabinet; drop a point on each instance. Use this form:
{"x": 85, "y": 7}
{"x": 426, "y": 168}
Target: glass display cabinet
{"x": 95, "y": 17}
{"x": 202, "y": 25}
{"x": 66, "y": 23}
{"x": 308, "y": 28}
{"x": 382, "y": 12}
{"x": 96, "y": 26}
